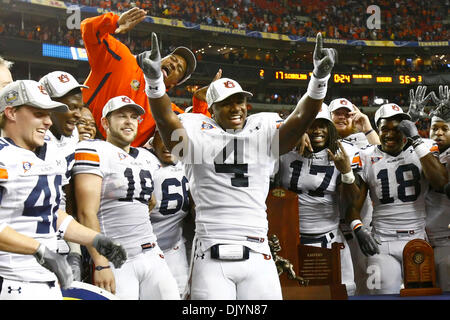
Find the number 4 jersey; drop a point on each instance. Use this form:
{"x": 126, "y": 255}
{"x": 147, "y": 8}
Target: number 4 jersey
{"x": 397, "y": 187}
{"x": 229, "y": 172}
{"x": 30, "y": 192}
{"x": 127, "y": 187}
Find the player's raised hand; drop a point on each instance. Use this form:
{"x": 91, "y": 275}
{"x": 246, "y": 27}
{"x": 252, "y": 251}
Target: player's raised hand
{"x": 129, "y": 19}
{"x": 305, "y": 143}
{"x": 360, "y": 120}
{"x": 110, "y": 250}
{"x": 201, "y": 93}
{"x": 409, "y": 129}
{"x": 417, "y": 103}
{"x": 323, "y": 58}
{"x": 442, "y": 102}
{"x": 150, "y": 61}
{"x": 340, "y": 159}
{"x": 56, "y": 263}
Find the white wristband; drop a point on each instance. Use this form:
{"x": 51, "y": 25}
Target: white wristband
{"x": 317, "y": 88}
{"x": 63, "y": 227}
{"x": 155, "y": 88}
{"x": 348, "y": 177}
{"x": 421, "y": 150}
{"x": 355, "y": 224}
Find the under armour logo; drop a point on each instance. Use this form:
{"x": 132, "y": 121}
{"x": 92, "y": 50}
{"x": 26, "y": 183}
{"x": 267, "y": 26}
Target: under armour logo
{"x": 229, "y": 84}
{"x": 126, "y": 100}
{"x": 64, "y": 78}
{"x": 201, "y": 256}
{"x": 42, "y": 90}
{"x": 153, "y": 88}
{"x": 19, "y": 290}
{"x": 60, "y": 235}
{"x": 321, "y": 85}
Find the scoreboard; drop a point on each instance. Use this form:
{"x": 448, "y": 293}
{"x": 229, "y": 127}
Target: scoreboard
{"x": 345, "y": 78}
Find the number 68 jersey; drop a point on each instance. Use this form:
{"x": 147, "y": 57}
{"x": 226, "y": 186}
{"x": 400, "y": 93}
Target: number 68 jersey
{"x": 397, "y": 187}
{"x": 30, "y": 192}
{"x": 229, "y": 172}
{"x": 127, "y": 187}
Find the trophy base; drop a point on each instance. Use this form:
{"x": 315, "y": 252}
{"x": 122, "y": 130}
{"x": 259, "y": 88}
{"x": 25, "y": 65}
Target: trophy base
{"x": 337, "y": 292}
{"x": 414, "y": 292}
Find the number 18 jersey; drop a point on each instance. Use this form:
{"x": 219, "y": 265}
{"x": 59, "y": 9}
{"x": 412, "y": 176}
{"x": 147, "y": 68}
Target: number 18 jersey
{"x": 30, "y": 192}
{"x": 127, "y": 187}
{"x": 397, "y": 187}
{"x": 229, "y": 174}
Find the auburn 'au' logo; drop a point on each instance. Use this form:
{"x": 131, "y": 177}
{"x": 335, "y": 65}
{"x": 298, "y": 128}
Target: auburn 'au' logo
{"x": 126, "y": 99}
{"x": 64, "y": 78}
{"x": 229, "y": 84}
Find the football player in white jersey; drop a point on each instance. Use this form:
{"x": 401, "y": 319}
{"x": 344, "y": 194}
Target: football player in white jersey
{"x": 397, "y": 174}
{"x": 64, "y": 88}
{"x": 113, "y": 185}
{"x": 354, "y": 127}
{"x": 30, "y": 187}
{"x": 317, "y": 179}
{"x": 229, "y": 159}
{"x": 437, "y": 206}
{"x": 171, "y": 208}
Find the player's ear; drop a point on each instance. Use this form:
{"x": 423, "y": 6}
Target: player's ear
{"x": 10, "y": 112}
{"x": 105, "y": 123}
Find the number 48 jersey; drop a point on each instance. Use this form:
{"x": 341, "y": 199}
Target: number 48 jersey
{"x": 397, "y": 187}
{"x": 229, "y": 172}
{"x": 30, "y": 192}
{"x": 127, "y": 187}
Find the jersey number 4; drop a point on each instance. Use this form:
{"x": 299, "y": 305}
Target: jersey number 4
{"x": 238, "y": 168}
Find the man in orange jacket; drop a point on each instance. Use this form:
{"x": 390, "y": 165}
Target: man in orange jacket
{"x": 115, "y": 70}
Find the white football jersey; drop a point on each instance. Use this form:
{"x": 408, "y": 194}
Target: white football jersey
{"x": 66, "y": 145}
{"x": 172, "y": 204}
{"x": 30, "y": 190}
{"x": 314, "y": 180}
{"x": 127, "y": 187}
{"x": 397, "y": 187}
{"x": 229, "y": 174}
{"x": 438, "y": 209}
{"x": 358, "y": 139}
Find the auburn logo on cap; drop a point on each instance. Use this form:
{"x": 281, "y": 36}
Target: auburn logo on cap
{"x": 63, "y": 78}
{"x": 229, "y": 84}
{"x": 126, "y": 100}
{"x": 395, "y": 107}
{"x": 344, "y": 102}
{"x": 42, "y": 90}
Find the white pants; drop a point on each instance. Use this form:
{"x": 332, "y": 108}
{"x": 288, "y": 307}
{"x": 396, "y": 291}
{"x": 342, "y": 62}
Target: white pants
{"x": 359, "y": 267}
{"x": 19, "y": 290}
{"x": 442, "y": 262}
{"x": 177, "y": 260}
{"x": 326, "y": 241}
{"x": 385, "y": 270}
{"x": 253, "y": 279}
{"x": 146, "y": 276}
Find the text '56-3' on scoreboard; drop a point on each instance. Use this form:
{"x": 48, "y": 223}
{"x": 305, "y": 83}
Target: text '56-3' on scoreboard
{"x": 345, "y": 78}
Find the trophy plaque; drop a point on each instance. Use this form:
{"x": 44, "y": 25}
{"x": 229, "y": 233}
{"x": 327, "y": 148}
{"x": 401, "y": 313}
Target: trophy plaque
{"x": 419, "y": 275}
{"x": 306, "y": 272}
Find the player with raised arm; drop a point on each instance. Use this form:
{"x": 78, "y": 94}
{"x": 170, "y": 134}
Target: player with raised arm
{"x": 229, "y": 159}
{"x": 397, "y": 174}
{"x": 113, "y": 185}
{"x": 31, "y": 172}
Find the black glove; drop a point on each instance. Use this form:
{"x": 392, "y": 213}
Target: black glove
{"x": 150, "y": 61}
{"x": 417, "y": 103}
{"x": 112, "y": 251}
{"x": 442, "y": 109}
{"x": 76, "y": 264}
{"x": 367, "y": 243}
{"x": 56, "y": 263}
{"x": 323, "y": 58}
{"x": 409, "y": 129}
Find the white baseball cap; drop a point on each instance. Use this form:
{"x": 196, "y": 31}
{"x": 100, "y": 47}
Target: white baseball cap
{"x": 324, "y": 113}
{"x": 59, "y": 83}
{"x": 389, "y": 110}
{"x": 221, "y": 89}
{"x": 30, "y": 93}
{"x": 340, "y": 103}
{"x": 119, "y": 102}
